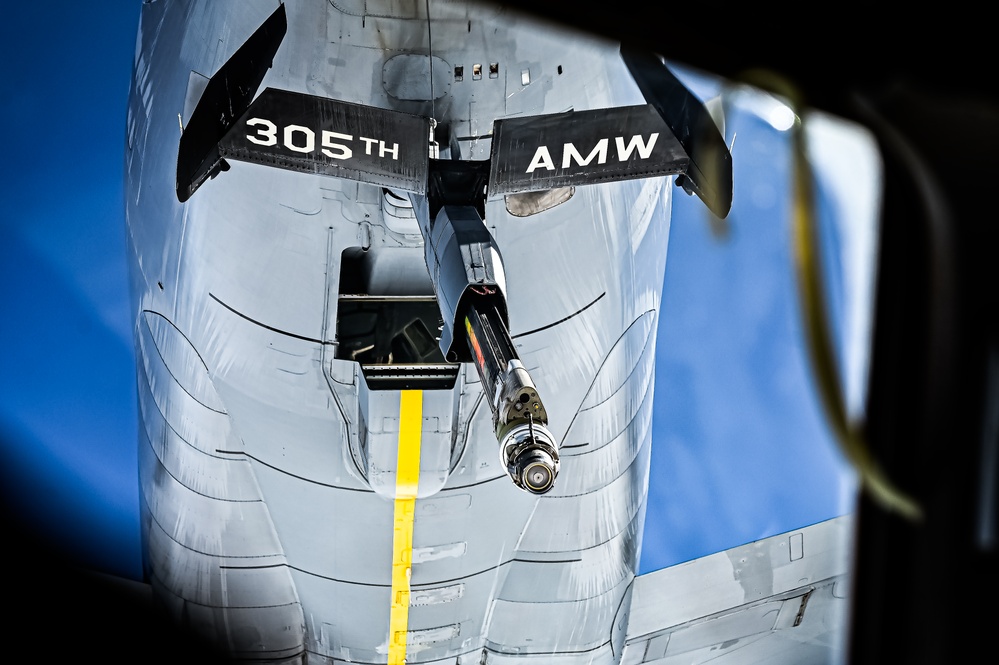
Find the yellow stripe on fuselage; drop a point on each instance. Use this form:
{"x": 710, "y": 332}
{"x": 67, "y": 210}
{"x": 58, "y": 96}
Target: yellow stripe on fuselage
{"x": 407, "y": 480}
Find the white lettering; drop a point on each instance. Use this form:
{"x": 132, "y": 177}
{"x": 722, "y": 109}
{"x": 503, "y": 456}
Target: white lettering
{"x": 342, "y": 151}
{"x": 334, "y": 145}
{"x": 289, "y": 138}
{"x": 569, "y": 153}
{"x": 367, "y": 144}
{"x": 382, "y": 150}
{"x": 541, "y": 158}
{"x": 644, "y": 149}
{"x": 269, "y": 132}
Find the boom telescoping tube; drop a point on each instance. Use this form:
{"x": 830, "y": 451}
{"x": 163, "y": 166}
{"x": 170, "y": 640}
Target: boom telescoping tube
{"x": 527, "y": 448}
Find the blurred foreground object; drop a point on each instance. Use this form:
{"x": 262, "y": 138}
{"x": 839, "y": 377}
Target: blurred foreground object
{"x": 928, "y": 96}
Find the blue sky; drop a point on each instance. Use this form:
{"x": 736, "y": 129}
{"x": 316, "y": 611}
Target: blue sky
{"x": 740, "y": 449}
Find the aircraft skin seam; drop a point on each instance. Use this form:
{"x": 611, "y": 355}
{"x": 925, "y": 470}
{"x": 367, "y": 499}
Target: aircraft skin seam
{"x": 562, "y": 320}
{"x": 464, "y": 428}
{"x": 167, "y": 366}
{"x": 271, "y": 328}
{"x": 338, "y": 661}
{"x": 422, "y": 586}
{"x": 559, "y": 561}
{"x": 380, "y": 585}
{"x": 631, "y": 371}
{"x": 561, "y": 652}
{"x": 639, "y": 504}
{"x": 147, "y": 389}
{"x": 630, "y": 521}
{"x": 626, "y": 581}
{"x": 293, "y": 475}
{"x": 580, "y": 550}
{"x": 646, "y": 438}
{"x": 301, "y": 649}
{"x": 647, "y": 387}
{"x": 447, "y": 659}
{"x": 152, "y": 518}
{"x": 638, "y": 362}
{"x": 173, "y": 376}
{"x": 191, "y": 489}
{"x": 602, "y": 364}
{"x": 234, "y": 607}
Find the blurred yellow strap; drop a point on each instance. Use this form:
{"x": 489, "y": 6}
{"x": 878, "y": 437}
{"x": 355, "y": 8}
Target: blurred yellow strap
{"x": 817, "y": 330}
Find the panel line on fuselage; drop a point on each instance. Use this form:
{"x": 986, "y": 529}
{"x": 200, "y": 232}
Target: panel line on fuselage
{"x": 562, "y": 320}
{"x": 256, "y": 459}
{"x": 267, "y": 327}
{"x": 425, "y": 585}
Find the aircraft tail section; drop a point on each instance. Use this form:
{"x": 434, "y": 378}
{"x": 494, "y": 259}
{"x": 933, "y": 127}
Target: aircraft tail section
{"x": 311, "y": 134}
{"x": 671, "y": 135}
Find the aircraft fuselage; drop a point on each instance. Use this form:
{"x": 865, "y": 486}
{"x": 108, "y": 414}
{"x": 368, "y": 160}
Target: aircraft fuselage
{"x": 318, "y": 482}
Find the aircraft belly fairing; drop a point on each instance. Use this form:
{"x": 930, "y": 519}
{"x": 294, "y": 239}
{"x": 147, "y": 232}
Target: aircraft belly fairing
{"x": 322, "y": 477}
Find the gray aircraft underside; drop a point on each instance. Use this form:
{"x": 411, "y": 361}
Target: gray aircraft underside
{"x": 282, "y": 320}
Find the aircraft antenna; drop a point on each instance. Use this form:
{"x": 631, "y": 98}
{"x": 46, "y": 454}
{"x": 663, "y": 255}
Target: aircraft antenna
{"x": 430, "y": 45}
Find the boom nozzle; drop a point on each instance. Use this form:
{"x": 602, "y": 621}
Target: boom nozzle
{"x": 527, "y": 448}
{"x": 530, "y": 456}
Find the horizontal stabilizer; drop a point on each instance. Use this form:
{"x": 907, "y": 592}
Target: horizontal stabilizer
{"x": 226, "y": 96}
{"x": 582, "y": 147}
{"x": 709, "y": 172}
{"x": 671, "y": 135}
{"x": 302, "y": 132}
